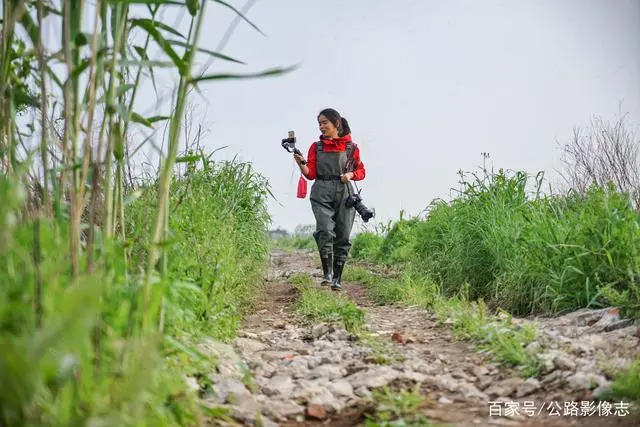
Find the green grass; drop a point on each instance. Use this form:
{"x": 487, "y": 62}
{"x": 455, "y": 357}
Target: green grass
{"x": 295, "y": 242}
{"x": 301, "y": 279}
{"x": 502, "y": 248}
{"x": 111, "y": 276}
{"x": 627, "y": 383}
{"x": 397, "y": 408}
{"x": 519, "y": 250}
{"x": 323, "y": 305}
{"x": 90, "y": 325}
{"x": 220, "y": 246}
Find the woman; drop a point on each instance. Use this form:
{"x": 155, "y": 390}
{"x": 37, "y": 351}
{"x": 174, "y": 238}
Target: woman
{"x": 332, "y": 162}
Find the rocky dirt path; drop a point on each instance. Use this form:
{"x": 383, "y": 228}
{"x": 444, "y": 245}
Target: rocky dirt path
{"x": 283, "y": 372}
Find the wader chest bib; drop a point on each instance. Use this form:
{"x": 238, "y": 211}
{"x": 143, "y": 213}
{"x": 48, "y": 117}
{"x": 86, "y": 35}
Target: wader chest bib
{"x": 333, "y": 219}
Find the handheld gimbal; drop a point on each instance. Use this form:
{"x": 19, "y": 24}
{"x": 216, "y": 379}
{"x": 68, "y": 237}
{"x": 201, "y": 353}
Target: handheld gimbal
{"x": 289, "y": 144}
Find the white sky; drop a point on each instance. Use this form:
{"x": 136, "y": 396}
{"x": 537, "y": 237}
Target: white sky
{"x": 426, "y": 86}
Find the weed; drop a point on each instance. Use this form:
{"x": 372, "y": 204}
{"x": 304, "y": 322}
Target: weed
{"x": 301, "y": 279}
{"x": 319, "y": 305}
{"x": 397, "y": 408}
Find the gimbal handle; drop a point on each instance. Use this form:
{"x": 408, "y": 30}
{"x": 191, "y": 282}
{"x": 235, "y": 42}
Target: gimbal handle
{"x": 292, "y": 138}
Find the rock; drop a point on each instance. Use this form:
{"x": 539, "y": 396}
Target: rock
{"x": 266, "y": 370}
{"x": 327, "y": 400}
{"x": 280, "y": 385}
{"x": 246, "y": 334}
{"x": 584, "y": 381}
{"x": 330, "y": 357}
{"x": 416, "y": 377}
{"x": 319, "y": 330}
{"x": 332, "y": 372}
{"x": 341, "y": 388}
{"x": 484, "y": 382}
{"x": 279, "y": 324}
{"x": 479, "y": 371}
{"x": 504, "y": 388}
{"x": 281, "y": 410}
{"x": 277, "y": 355}
{"x": 247, "y": 410}
{"x": 443, "y": 382}
{"x": 445, "y": 400}
{"x": 316, "y": 411}
{"x": 230, "y": 390}
{"x": 531, "y": 385}
{"x": 248, "y": 345}
{"x": 584, "y": 317}
{"x": 228, "y": 362}
{"x": 298, "y": 368}
{"x": 306, "y": 390}
{"x": 338, "y": 335}
{"x": 362, "y": 391}
{"x": 459, "y": 374}
{"x": 469, "y": 391}
{"x": 579, "y": 349}
{"x": 610, "y": 317}
{"x": 534, "y": 347}
{"x": 619, "y": 324}
{"x": 266, "y": 422}
{"x": 374, "y": 377}
{"x": 549, "y": 378}
{"x": 564, "y": 362}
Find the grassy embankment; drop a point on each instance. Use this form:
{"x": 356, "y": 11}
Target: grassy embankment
{"x": 108, "y": 282}
{"x": 498, "y": 250}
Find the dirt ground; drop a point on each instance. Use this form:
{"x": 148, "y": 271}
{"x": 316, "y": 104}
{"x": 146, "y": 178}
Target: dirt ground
{"x": 459, "y": 382}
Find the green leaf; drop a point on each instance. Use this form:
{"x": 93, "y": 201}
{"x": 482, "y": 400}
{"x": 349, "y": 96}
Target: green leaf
{"x": 144, "y": 56}
{"x": 150, "y": 27}
{"x": 162, "y": 26}
{"x": 154, "y": 119}
{"x": 193, "y": 6}
{"x": 190, "y": 350}
{"x": 139, "y": 119}
{"x": 224, "y": 3}
{"x": 266, "y": 73}
{"x": 188, "y": 159}
{"x": 134, "y": 63}
{"x": 20, "y": 97}
{"x": 150, "y": 2}
{"x": 209, "y": 52}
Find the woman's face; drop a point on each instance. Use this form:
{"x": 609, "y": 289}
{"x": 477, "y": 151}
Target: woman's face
{"x": 327, "y": 128}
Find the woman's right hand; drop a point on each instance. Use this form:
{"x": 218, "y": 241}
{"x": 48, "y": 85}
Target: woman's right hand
{"x": 298, "y": 158}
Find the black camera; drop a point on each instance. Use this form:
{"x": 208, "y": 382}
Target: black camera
{"x": 356, "y": 201}
{"x": 289, "y": 144}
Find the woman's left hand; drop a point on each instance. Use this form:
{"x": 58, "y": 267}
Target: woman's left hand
{"x": 346, "y": 177}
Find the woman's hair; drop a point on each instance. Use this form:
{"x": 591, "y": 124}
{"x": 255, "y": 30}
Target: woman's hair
{"x": 339, "y": 122}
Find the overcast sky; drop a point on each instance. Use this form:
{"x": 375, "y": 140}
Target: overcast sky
{"x": 426, "y": 85}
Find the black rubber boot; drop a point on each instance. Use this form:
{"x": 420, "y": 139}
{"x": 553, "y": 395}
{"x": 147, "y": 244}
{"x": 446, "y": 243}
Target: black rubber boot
{"x": 338, "y": 266}
{"x": 327, "y": 263}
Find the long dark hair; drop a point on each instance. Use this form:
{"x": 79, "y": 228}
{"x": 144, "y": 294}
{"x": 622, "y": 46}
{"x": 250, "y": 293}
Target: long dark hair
{"x": 338, "y": 121}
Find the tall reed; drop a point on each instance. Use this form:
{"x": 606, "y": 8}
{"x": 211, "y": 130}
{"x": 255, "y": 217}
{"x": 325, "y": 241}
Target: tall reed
{"x": 85, "y": 288}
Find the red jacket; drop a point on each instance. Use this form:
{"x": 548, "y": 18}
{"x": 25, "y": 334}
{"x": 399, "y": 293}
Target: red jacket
{"x": 335, "y": 145}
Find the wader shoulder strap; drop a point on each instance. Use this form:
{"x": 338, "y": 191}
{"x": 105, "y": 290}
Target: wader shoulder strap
{"x": 351, "y": 148}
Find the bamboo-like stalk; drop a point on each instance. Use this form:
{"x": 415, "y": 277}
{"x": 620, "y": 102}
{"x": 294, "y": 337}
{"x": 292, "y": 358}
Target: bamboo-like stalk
{"x": 166, "y": 172}
{"x": 121, "y": 12}
{"x": 43, "y": 112}
{"x": 37, "y": 297}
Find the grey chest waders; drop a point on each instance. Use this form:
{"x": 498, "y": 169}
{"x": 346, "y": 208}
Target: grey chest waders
{"x": 334, "y": 220}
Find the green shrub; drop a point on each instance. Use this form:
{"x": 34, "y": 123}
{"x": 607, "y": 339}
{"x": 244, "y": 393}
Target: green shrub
{"x": 523, "y": 251}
